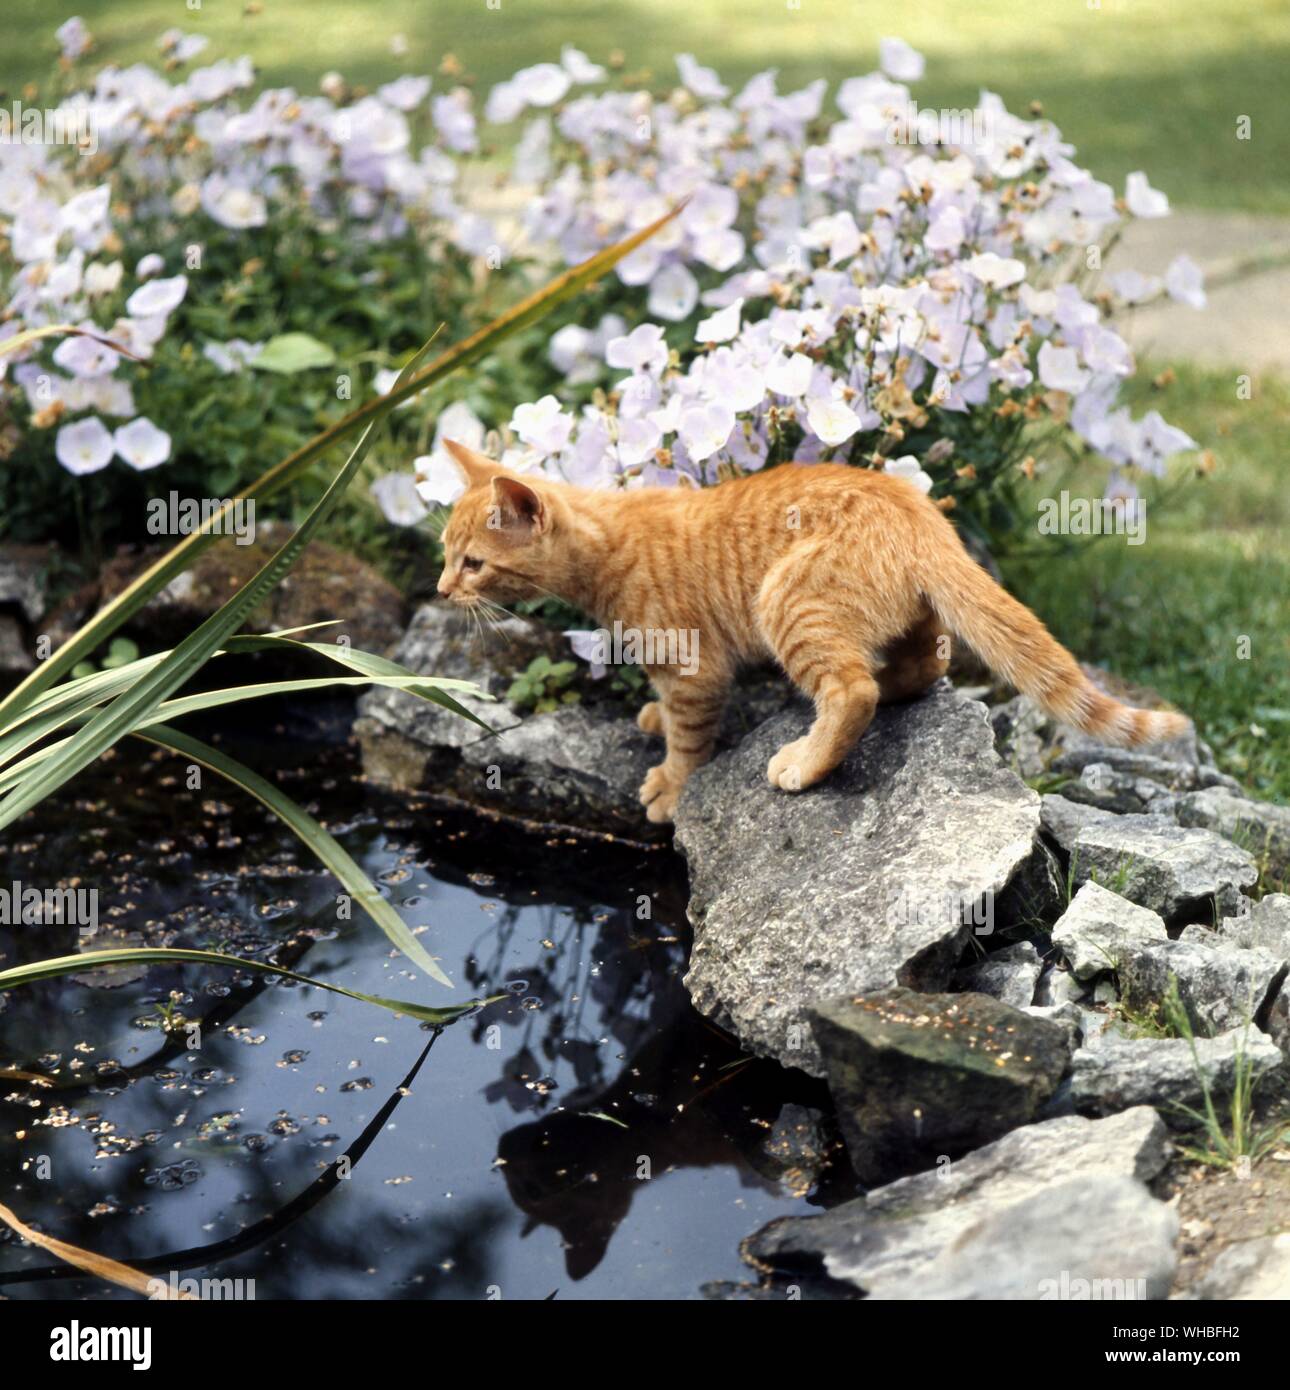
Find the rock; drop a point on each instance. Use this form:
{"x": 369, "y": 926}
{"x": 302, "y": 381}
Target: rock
{"x": 1100, "y": 785}
{"x": 1264, "y": 924}
{"x": 324, "y": 584}
{"x": 1036, "y": 894}
{"x": 916, "y": 1077}
{"x": 796, "y": 1150}
{"x": 1056, "y": 987}
{"x": 1221, "y": 986}
{"x": 1033, "y": 743}
{"x": 1085, "y": 1238}
{"x": 1010, "y": 974}
{"x": 23, "y": 570}
{"x": 1249, "y": 1269}
{"x": 1258, "y": 826}
{"x": 15, "y": 659}
{"x": 891, "y": 1237}
{"x": 1122, "y": 1072}
{"x": 855, "y": 885}
{"x": 1179, "y": 873}
{"x": 1100, "y": 927}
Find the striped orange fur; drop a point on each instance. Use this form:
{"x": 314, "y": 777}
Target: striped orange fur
{"x": 852, "y": 580}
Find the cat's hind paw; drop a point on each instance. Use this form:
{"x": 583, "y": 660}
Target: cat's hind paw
{"x": 650, "y": 718}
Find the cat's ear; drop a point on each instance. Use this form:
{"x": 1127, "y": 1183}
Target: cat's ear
{"x": 477, "y": 469}
{"x": 518, "y": 507}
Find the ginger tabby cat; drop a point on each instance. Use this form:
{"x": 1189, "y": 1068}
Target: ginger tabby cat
{"x": 852, "y": 580}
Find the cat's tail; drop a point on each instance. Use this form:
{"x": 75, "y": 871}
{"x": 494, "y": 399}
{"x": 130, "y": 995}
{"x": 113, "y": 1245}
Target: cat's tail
{"x": 1017, "y": 646}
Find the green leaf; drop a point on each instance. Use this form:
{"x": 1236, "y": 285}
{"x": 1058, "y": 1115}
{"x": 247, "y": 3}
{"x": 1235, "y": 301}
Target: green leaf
{"x": 171, "y": 955}
{"x": 131, "y": 599}
{"x": 289, "y": 353}
{"x": 297, "y": 819}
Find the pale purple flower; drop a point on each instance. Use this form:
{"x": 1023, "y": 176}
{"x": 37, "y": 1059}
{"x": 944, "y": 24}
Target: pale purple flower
{"x": 233, "y": 205}
{"x": 543, "y": 425}
{"x": 85, "y": 356}
{"x": 405, "y": 93}
{"x": 908, "y": 467}
{"x": 439, "y": 479}
{"x": 899, "y": 60}
{"x": 1133, "y": 287}
{"x": 643, "y": 349}
{"x": 233, "y": 356}
{"x": 579, "y": 67}
{"x": 832, "y": 421}
{"x": 996, "y": 271}
{"x": 589, "y": 645}
{"x": 1142, "y": 199}
{"x": 673, "y": 293}
{"x": 721, "y": 326}
{"x": 1186, "y": 282}
{"x": 84, "y": 447}
{"x": 702, "y": 82}
{"x": 141, "y": 444}
{"x": 157, "y": 297}
{"x": 455, "y": 121}
{"x": 1059, "y": 369}
{"x": 399, "y": 500}
{"x": 73, "y": 37}
{"x": 704, "y": 429}
{"x": 790, "y": 376}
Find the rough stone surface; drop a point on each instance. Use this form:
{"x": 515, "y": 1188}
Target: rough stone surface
{"x": 1100, "y": 785}
{"x": 1174, "y": 871}
{"x": 1088, "y": 1237}
{"x": 1010, "y": 974}
{"x": 853, "y": 886}
{"x": 1258, "y": 826}
{"x": 1250, "y": 1269}
{"x": 1122, "y": 1072}
{"x": 1056, "y": 987}
{"x": 15, "y": 659}
{"x": 1264, "y": 924}
{"x": 22, "y": 579}
{"x": 891, "y": 1237}
{"x": 1221, "y": 986}
{"x": 916, "y": 1076}
{"x": 1099, "y": 928}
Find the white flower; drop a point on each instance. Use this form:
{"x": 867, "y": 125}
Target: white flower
{"x": 541, "y": 85}
{"x": 704, "y": 429}
{"x": 439, "y": 480}
{"x": 73, "y": 37}
{"x": 589, "y": 645}
{"x": 102, "y": 279}
{"x": 157, "y": 297}
{"x": 702, "y": 82}
{"x": 543, "y": 425}
{"x": 907, "y": 466}
{"x": 84, "y": 356}
{"x": 397, "y": 496}
{"x": 84, "y": 447}
{"x": 405, "y": 93}
{"x": 898, "y": 60}
{"x": 673, "y": 293}
{"x": 722, "y": 326}
{"x": 790, "y": 376}
{"x": 141, "y": 444}
{"x": 643, "y": 349}
{"x": 996, "y": 271}
{"x": 1142, "y": 199}
{"x": 832, "y": 422}
{"x": 1060, "y": 371}
{"x": 461, "y": 423}
{"x": 579, "y": 67}
{"x": 85, "y": 215}
{"x": 1186, "y": 282}
{"x": 233, "y": 206}
{"x": 232, "y": 356}
{"x": 1133, "y": 287}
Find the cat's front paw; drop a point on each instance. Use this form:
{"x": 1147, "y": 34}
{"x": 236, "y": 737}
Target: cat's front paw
{"x": 792, "y": 768}
{"x": 659, "y": 793}
{"x": 650, "y": 718}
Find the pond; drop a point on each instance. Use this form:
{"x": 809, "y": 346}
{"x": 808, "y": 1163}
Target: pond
{"x": 588, "y": 1136}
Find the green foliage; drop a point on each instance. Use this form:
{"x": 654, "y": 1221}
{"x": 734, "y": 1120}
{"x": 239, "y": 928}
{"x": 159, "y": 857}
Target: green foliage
{"x": 545, "y": 685}
{"x": 121, "y": 652}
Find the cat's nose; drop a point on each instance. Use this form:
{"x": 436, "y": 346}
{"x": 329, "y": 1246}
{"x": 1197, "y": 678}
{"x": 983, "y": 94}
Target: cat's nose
{"x": 444, "y": 587}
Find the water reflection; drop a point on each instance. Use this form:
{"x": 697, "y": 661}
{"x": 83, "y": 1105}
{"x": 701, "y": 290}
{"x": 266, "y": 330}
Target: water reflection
{"x": 589, "y": 1134}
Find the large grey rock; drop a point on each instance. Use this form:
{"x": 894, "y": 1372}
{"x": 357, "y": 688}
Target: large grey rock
{"x": 1010, "y": 974}
{"x": 1265, "y": 926}
{"x": 1249, "y": 1269}
{"x": 1258, "y": 826}
{"x": 1123, "y": 1072}
{"x": 855, "y": 885}
{"x": 916, "y": 1077}
{"x": 1089, "y": 1237}
{"x": 23, "y": 573}
{"x": 1099, "y": 928}
{"x": 1221, "y": 986}
{"x": 1100, "y": 785}
{"x": 890, "y": 1238}
{"x": 15, "y": 658}
{"x": 1175, "y": 871}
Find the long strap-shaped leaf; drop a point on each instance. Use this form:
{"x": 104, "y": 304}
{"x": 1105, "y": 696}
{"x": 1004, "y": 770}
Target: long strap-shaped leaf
{"x": 125, "y": 712}
{"x": 297, "y": 819}
{"x": 529, "y": 311}
{"x": 173, "y": 955}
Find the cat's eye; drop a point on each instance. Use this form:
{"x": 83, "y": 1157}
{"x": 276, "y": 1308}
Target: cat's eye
{"x": 472, "y": 564}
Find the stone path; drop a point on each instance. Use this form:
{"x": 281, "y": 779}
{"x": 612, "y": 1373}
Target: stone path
{"x": 1246, "y": 260}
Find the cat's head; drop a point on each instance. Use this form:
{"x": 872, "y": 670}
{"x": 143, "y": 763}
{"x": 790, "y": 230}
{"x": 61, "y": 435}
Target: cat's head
{"x": 500, "y": 541}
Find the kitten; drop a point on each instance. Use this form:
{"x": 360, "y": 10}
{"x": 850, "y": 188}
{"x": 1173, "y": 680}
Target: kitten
{"x": 851, "y": 579}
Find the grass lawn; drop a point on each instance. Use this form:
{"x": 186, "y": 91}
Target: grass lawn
{"x": 1135, "y": 84}
{"x": 1214, "y": 569}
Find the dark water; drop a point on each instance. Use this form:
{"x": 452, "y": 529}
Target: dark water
{"x": 591, "y": 1136}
